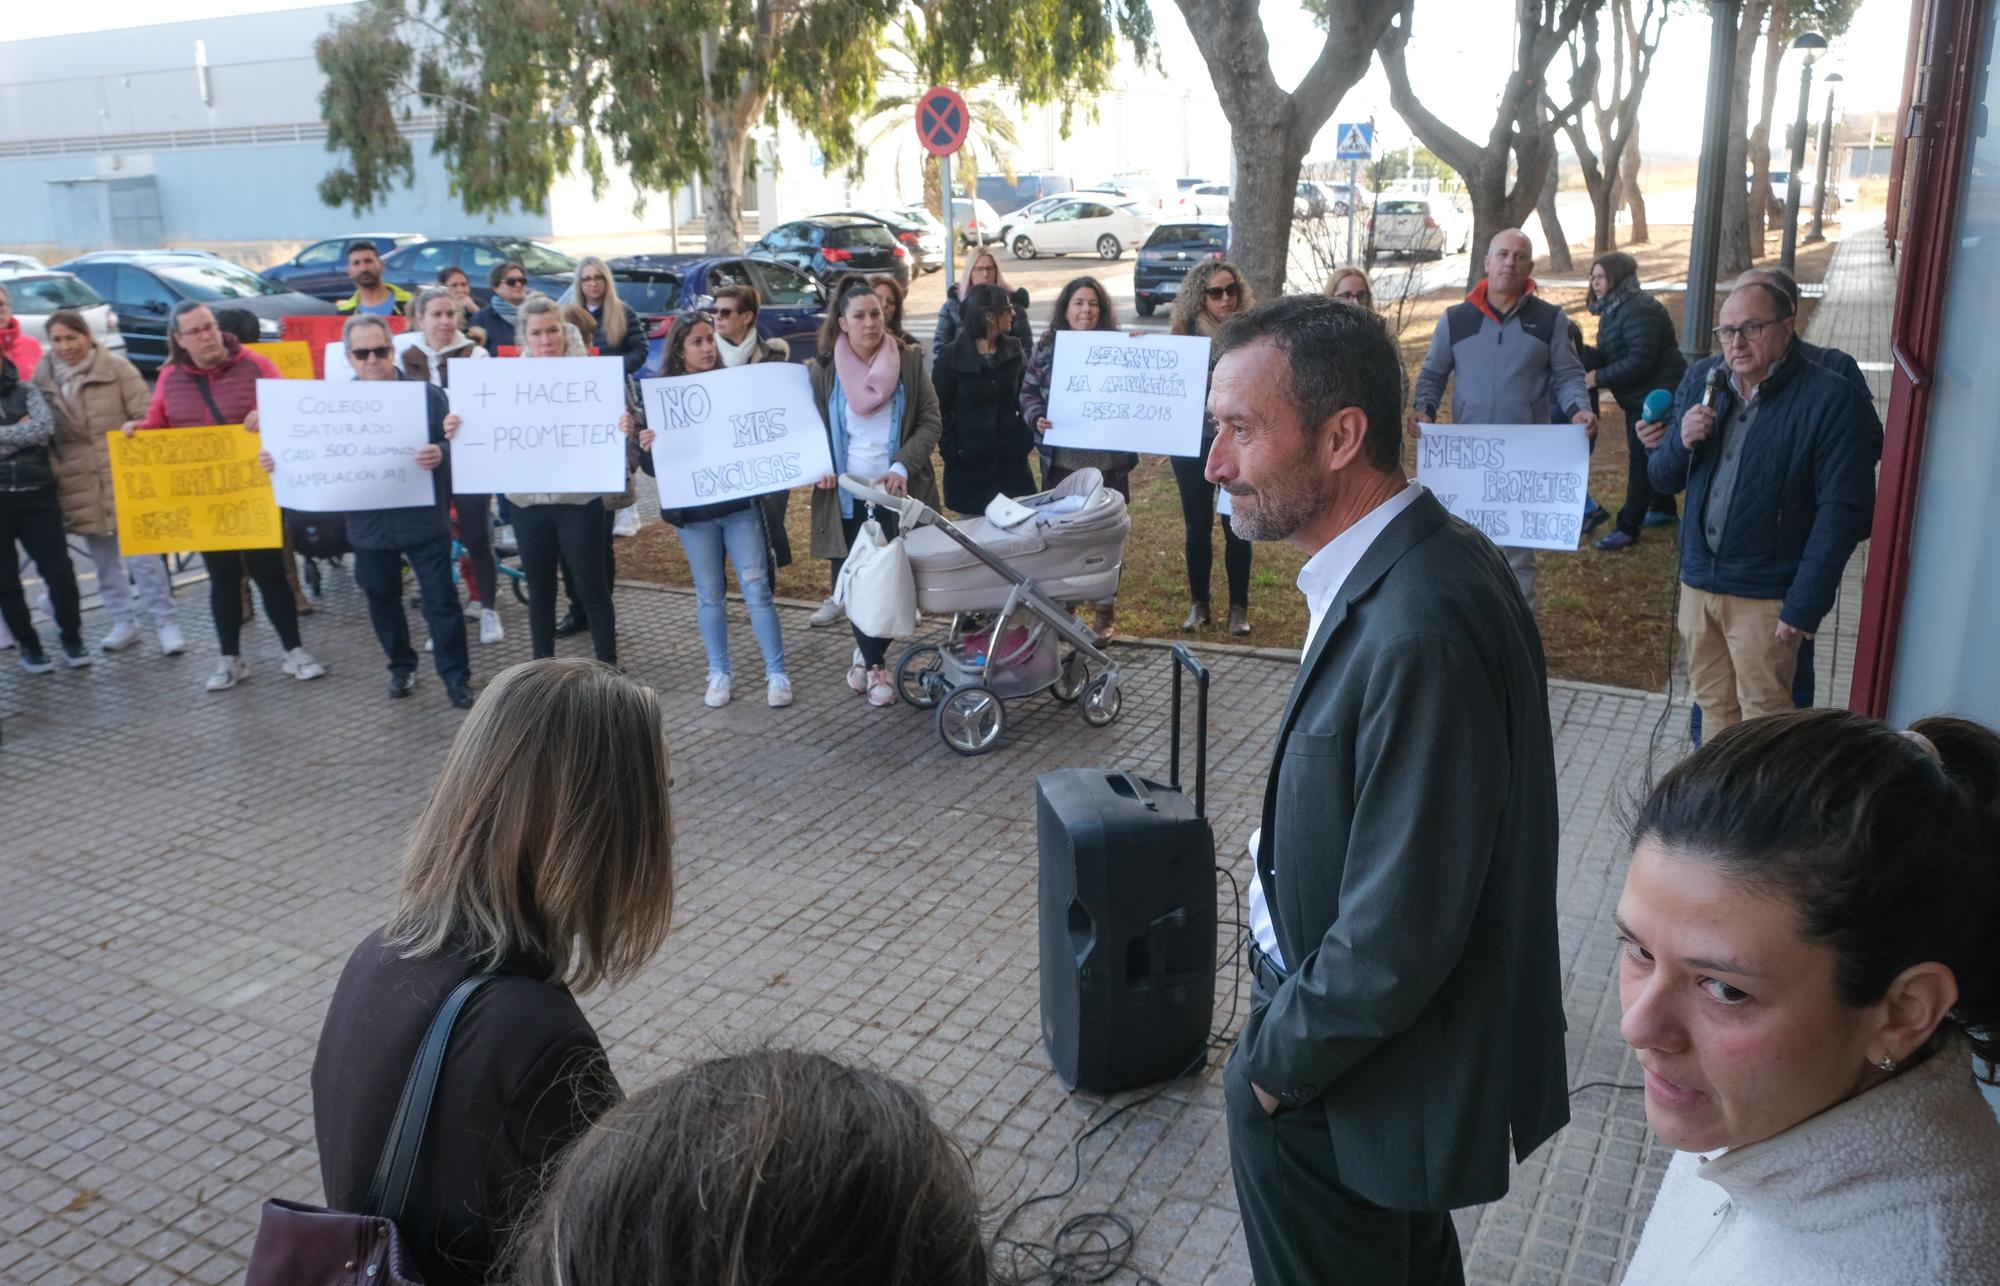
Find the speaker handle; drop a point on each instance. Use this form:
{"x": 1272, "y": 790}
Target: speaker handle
{"x": 1186, "y": 660}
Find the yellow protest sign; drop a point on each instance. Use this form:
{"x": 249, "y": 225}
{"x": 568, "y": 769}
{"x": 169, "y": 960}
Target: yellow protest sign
{"x": 292, "y": 357}
{"x": 185, "y": 490}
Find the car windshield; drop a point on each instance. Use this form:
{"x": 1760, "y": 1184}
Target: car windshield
{"x": 207, "y": 279}
{"x": 1206, "y": 236}
{"x": 538, "y": 259}
{"x": 47, "y": 294}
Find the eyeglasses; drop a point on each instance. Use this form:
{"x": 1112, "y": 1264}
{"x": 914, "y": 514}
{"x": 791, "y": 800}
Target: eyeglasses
{"x": 1230, "y": 291}
{"x": 730, "y": 312}
{"x": 1354, "y": 297}
{"x": 513, "y": 281}
{"x": 591, "y": 276}
{"x": 364, "y": 354}
{"x": 1748, "y": 331}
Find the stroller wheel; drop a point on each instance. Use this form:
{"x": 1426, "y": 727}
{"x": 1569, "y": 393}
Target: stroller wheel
{"x": 1070, "y": 681}
{"x": 920, "y": 676}
{"x": 971, "y": 719}
{"x": 1101, "y": 699}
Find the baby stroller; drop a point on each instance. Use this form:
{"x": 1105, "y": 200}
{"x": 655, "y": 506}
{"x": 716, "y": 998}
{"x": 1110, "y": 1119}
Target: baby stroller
{"x": 1004, "y": 579}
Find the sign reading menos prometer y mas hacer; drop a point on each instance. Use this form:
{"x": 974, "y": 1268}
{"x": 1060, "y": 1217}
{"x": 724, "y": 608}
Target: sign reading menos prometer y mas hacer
{"x": 185, "y": 490}
{"x": 738, "y": 432}
{"x": 346, "y": 445}
{"x": 1117, "y": 392}
{"x": 1521, "y": 484}
{"x": 538, "y": 424}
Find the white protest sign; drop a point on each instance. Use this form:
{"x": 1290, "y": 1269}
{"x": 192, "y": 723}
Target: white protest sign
{"x": 742, "y": 431}
{"x": 538, "y": 424}
{"x": 342, "y": 446}
{"x": 1117, "y": 392}
{"x": 1521, "y": 484}
{"x": 336, "y": 365}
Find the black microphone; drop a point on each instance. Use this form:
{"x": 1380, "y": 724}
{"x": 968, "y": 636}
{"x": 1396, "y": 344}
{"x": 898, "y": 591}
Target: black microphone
{"x": 1711, "y": 392}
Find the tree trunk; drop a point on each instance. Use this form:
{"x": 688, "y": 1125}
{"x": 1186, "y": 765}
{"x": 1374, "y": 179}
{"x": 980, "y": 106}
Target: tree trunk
{"x": 1260, "y": 206}
{"x": 1733, "y": 255}
{"x": 1560, "y": 259}
{"x": 723, "y": 198}
{"x": 1628, "y": 178}
{"x": 1760, "y": 138}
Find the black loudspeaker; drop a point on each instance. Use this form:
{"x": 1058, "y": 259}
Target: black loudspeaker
{"x": 1128, "y": 916}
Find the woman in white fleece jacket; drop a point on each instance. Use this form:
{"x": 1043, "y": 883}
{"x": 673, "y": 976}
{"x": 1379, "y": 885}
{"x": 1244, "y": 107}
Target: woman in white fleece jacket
{"x": 1811, "y": 979}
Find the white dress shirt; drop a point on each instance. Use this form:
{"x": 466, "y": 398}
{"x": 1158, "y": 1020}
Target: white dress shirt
{"x": 1320, "y": 581}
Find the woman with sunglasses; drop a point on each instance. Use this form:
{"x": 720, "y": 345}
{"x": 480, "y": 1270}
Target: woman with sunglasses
{"x": 729, "y": 529}
{"x": 1350, "y": 285}
{"x": 982, "y": 269}
{"x": 498, "y": 319}
{"x": 1212, "y": 293}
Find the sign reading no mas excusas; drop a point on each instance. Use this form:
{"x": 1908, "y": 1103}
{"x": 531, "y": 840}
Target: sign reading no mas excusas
{"x": 742, "y": 431}
{"x": 538, "y": 424}
{"x": 1521, "y": 484}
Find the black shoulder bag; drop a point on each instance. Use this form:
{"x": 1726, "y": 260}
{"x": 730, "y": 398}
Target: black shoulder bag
{"x": 301, "y": 1245}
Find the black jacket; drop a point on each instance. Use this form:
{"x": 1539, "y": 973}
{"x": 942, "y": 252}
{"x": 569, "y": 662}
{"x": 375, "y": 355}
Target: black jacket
{"x": 632, "y": 348}
{"x": 985, "y": 441}
{"x": 497, "y": 328}
{"x": 1637, "y": 352}
{"x": 951, "y": 318}
{"x": 392, "y": 529}
{"x": 524, "y": 1075}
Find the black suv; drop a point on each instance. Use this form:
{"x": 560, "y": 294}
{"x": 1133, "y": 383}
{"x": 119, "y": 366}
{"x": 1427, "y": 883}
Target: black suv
{"x": 830, "y": 246}
{"x": 144, "y": 287}
{"x": 1169, "y": 253}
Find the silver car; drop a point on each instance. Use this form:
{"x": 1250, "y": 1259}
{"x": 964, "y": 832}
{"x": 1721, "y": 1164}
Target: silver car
{"x": 36, "y": 296}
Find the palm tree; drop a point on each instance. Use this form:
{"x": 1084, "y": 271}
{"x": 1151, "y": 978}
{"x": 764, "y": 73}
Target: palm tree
{"x": 912, "y": 57}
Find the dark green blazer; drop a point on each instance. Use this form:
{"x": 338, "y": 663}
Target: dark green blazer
{"x": 1411, "y": 819}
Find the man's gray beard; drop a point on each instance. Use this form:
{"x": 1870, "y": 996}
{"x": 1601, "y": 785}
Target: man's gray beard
{"x": 1276, "y": 514}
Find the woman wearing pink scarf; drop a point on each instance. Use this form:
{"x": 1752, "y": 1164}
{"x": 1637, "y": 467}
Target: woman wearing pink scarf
{"x": 882, "y": 422}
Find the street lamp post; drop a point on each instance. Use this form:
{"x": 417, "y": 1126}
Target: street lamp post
{"x": 1812, "y": 43}
{"x": 1709, "y": 181}
{"x": 1818, "y": 232}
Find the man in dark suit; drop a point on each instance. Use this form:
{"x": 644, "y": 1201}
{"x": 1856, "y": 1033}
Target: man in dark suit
{"x": 1406, "y": 1020}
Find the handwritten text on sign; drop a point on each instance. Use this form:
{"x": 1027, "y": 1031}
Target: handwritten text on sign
{"x": 1116, "y": 392}
{"x": 292, "y": 358}
{"x": 539, "y": 424}
{"x": 346, "y": 445}
{"x": 1521, "y": 484}
{"x": 181, "y": 490}
{"x": 742, "y": 431}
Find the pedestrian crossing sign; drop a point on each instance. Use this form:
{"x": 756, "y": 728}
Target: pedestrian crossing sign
{"x": 1357, "y": 142}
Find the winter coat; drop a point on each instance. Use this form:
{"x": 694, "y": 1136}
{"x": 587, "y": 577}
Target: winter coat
{"x": 1804, "y": 496}
{"x": 633, "y": 347}
{"x": 498, "y": 331}
{"x": 463, "y": 347}
{"x": 20, "y": 348}
{"x": 984, "y": 441}
{"x": 178, "y": 400}
{"x": 401, "y": 301}
{"x": 405, "y": 528}
{"x": 1502, "y": 370}
{"x": 1637, "y": 352}
{"x": 1898, "y": 1184}
{"x": 918, "y": 440}
{"x": 110, "y": 392}
{"x": 27, "y": 426}
{"x": 951, "y": 320}
{"x": 1035, "y": 408}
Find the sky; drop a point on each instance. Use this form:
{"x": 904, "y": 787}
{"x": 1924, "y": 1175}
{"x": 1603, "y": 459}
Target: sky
{"x": 1454, "y": 44}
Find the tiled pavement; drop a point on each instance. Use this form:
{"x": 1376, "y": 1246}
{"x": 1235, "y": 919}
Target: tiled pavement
{"x": 181, "y": 876}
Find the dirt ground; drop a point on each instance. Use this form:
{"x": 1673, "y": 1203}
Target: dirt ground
{"x": 1605, "y": 618}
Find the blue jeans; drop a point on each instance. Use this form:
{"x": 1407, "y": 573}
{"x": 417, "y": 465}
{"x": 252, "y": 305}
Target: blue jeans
{"x": 740, "y": 536}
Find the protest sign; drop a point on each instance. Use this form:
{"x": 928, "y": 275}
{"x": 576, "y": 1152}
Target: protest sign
{"x": 334, "y": 362}
{"x": 1521, "y": 484}
{"x": 319, "y": 330}
{"x": 1117, "y": 392}
{"x": 737, "y": 432}
{"x": 293, "y": 358}
{"x": 182, "y": 490}
{"x": 341, "y": 446}
{"x": 539, "y": 424}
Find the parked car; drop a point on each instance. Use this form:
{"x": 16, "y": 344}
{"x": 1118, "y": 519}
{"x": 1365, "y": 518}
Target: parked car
{"x": 1006, "y": 195}
{"x": 1420, "y": 227}
{"x": 791, "y": 304}
{"x": 1078, "y": 226}
{"x": 1183, "y": 184}
{"x": 21, "y": 263}
{"x": 320, "y": 269}
{"x": 413, "y": 267}
{"x": 1325, "y": 199}
{"x": 35, "y": 296}
{"x": 1172, "y": 249}
{"x": 922, "y": 238}
{"x": 144, "y": 286}
{"x": 974, "y": 221}
{"x": 829, "y": 246}
{"x": 1142, "y": 190}
{"x": 1204, "y": 199}
{"x": 1806, "y": 189}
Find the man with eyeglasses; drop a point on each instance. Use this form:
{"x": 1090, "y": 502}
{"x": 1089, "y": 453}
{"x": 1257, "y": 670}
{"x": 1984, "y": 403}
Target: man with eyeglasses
{"x": 384, "y": 538}
{"x": 1508, "y": 356}
{"x": 1778, "y": 462}
{"x": 510, "y": 287}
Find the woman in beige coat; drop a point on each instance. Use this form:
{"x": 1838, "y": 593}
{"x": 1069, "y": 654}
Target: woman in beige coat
{"x": 93, "y": 390}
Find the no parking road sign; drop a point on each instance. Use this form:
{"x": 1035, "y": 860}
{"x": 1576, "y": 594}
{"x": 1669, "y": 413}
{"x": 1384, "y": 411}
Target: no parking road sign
{"x": 1356, "y": 142}
{"x": 942, "y": 121}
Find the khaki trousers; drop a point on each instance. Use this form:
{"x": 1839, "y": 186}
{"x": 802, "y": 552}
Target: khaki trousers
{"x": 1738, "y": 666}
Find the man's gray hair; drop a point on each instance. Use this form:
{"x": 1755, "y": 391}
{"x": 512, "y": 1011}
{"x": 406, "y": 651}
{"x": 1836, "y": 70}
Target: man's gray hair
{"x": 360, "y": 321}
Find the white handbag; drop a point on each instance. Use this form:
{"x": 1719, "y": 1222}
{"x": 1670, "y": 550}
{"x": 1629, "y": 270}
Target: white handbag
{"x": 876, "y": 585}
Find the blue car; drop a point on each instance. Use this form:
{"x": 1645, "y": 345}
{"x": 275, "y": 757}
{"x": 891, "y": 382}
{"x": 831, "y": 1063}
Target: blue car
{"x": 791, "y": 306}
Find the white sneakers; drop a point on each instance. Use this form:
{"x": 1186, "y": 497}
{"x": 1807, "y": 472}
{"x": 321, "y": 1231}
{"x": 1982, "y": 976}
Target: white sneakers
{"x": 229, "y": 671}
{"x": 828, "y": 612}
{"x": 123, "y": 635}
{"x": 881, "y": 687}
{"x": 301, "y": 666}
{"x": 503, "y": 539}
{"x": 857, "y": 673}
{"x": 778, "y": 691}
{"x": 626, "y": 523}
{"x": 718, "y": 690}
{"x": 171, "y": 641}
{"x": 473, "y": 609}
{"x": 490, "y": 628}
